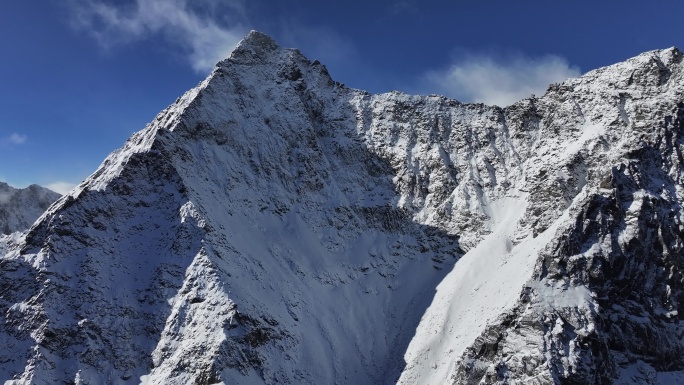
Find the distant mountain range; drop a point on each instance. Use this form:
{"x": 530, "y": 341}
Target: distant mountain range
{"x": 19, "y": 208}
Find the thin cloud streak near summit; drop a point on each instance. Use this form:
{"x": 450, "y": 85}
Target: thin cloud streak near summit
{"x": 205, "y": 40}
{"x": 498, "y": 81}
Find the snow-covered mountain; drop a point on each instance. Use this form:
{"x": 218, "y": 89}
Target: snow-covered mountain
{"x": 274, "y": 226}
{"x": 19, "y": 208}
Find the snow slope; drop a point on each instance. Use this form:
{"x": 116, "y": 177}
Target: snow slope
{"x": 273, "y": 226}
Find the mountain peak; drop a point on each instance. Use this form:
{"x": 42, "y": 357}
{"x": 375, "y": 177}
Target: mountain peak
{"x": 370, "y": 237}
{"x": 258, "y": 39}
{"x": 254, "y": 48}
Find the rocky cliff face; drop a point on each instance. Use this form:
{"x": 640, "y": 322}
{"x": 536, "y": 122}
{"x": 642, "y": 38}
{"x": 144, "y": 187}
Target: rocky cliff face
{"x": 274, "y": 226}
{"x": 602, "y": 176}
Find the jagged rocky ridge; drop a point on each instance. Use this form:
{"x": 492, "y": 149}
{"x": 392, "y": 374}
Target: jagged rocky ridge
{"x": 274, "y": 226}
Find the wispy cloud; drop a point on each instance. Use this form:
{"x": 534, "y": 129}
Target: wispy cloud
{"x": 61, "y": 187}
{"x": 207, "y": 29}
{"x": 403, "y": 6}
{"x": 399, "y": 9}
{"x": 13, "y": 139}
{"x": 498, "y": 80}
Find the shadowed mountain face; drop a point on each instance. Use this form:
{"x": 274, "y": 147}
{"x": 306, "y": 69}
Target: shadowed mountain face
{"x": 273, "y": 226}
{"x": 19, "y": 208}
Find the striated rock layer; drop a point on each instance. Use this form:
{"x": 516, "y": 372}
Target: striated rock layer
{"x": 274, "y": 226}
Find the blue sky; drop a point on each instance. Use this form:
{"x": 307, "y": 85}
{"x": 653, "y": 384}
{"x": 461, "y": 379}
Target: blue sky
{"x": 78, "y": 77}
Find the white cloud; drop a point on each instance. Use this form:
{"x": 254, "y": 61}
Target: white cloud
{"x": 61, "y": 187}
{"x": 15, "y": 138}
{"x": 498, "y": 80}
{"x": 208, "y": 30}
